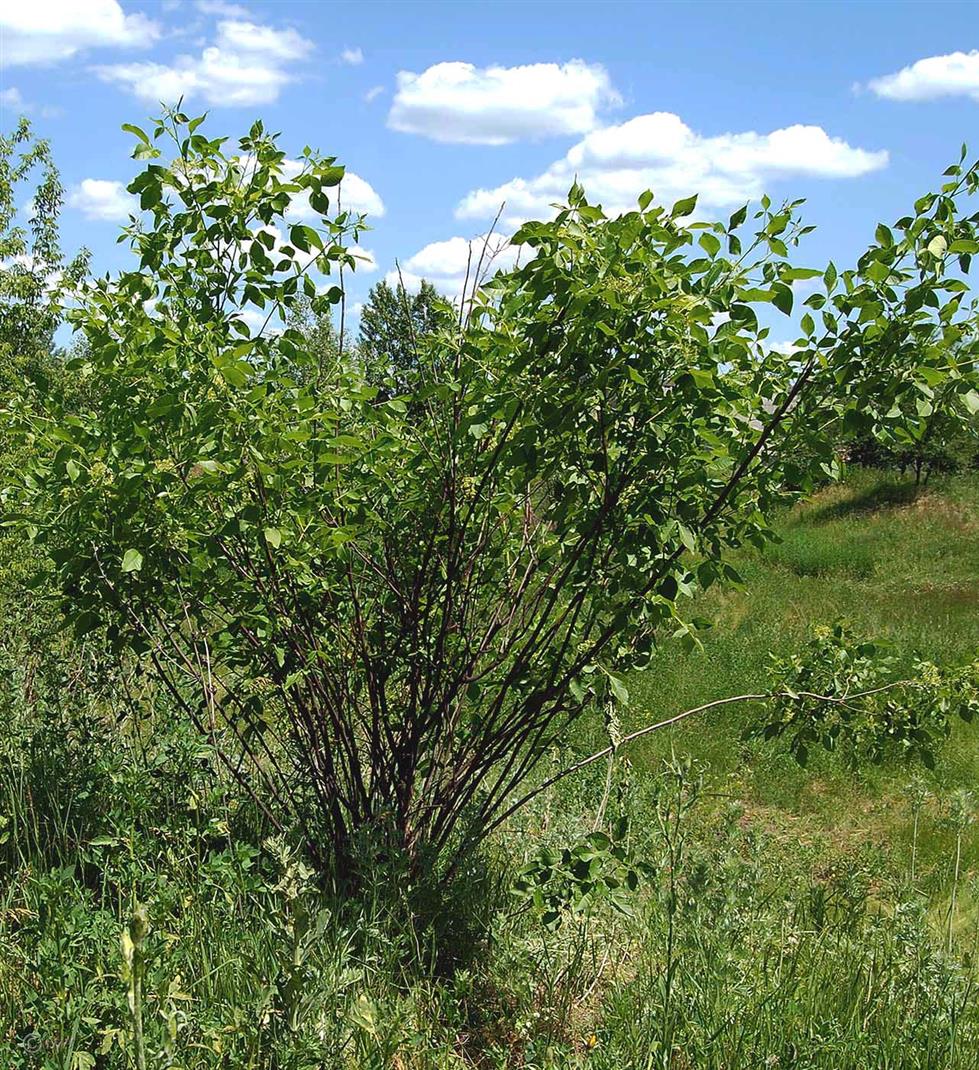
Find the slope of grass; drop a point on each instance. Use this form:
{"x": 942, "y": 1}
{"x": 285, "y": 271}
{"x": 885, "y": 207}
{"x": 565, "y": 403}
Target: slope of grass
{"x": 901, "y": 564}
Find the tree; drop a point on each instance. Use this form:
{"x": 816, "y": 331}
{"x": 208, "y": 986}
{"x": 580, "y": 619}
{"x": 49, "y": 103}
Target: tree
{"x": 385, "y": 611}
{"x": 393, "y": 324}
{"x": 35, "y": 282}
{"x": 934, "y": 422}
{"x": 34, "y": 277}
{"x": 320, "y": 339}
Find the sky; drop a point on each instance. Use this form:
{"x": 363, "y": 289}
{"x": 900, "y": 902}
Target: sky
{"x": 444, "y": 111}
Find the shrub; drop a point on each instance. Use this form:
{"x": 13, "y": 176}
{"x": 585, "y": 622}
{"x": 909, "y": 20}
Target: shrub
{"x": 384, "y": 610}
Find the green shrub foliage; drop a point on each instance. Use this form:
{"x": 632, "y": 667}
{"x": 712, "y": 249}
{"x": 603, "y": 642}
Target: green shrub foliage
{"x": 384, "y": 610}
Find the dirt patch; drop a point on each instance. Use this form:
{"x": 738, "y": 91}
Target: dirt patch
{"x": 957, "y": 595}
{"x": 937, "y": 507}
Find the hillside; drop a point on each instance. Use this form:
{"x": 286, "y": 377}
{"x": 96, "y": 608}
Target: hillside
{"x": 900, "y": 565}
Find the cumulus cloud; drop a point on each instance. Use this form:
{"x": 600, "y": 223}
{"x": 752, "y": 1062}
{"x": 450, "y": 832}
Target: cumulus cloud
{"x": 660, "y": 152}
{"x": 451, "y": 265}
{"x": 221, "y": 8}
{"x": 356, "y": 194}
{"x": 103, "y": 199}
{"x": 248, "y": 64}
{"x": 13, "y": 98}
{"x": 497, "y": 105}
{"x": 47, "y": 31}
{"x": 952, "y": 75}
{"x": 352, "y": 56}
{"x": 366, "y": 260}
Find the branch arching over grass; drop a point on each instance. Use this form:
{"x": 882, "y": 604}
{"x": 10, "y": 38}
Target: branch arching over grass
{"x": 646, "y": 730}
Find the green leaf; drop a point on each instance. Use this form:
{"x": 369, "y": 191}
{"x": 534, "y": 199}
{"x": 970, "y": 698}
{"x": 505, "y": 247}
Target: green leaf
{"x": 331, "y": 176}
{"x": 619, "y": 690}
{"x": 782, "y": 298}
{"x": 799, "y": 274}
{"x": 756, "y": 294}
{"x": 273, "y": 537}
{"x": 132, "y": 561}
{"x": 710, "y": 243}
{"x": 737, "y": 218}
{"x": 684, "y": 207}
{"x": 135, "y": 130}
{"x": 937, "y": 246}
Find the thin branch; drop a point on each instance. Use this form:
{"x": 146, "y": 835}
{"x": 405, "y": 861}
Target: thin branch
{"x": 611, "y": 749}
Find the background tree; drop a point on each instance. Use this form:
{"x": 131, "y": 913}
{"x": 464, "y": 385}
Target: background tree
{"x": 34, "y": 277}
{"x": 393, "y": 323}
{"x": 385, "y": 611}
{"x": 934, "y": 423}
{"x": 321, "y": 339}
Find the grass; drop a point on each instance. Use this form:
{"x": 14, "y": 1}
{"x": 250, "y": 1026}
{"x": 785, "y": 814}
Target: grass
{"x": 900, "y": 565}
{"x": 780, "y": 923}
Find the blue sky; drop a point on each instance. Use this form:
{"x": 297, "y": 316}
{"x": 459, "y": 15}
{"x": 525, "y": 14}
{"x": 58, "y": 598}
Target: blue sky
{"x": 444, "y": 110}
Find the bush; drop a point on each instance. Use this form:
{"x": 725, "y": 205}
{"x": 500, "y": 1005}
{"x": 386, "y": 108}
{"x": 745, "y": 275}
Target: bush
{"x": 384, "y": 611}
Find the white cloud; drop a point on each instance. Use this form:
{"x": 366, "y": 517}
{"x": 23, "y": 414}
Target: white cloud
{"x": 353, "y": 56}
{"x": 356, "y": 194}
{"x": 497, "y": 105}
{"x": 222, "y": 9}
{"x": 248, "y": 64}
{"x": 373, "y": 93}
{"x": 46, "y": 31}
{"x": 952, "y": 75}
{"x": 366, "y": 261}
{"x": 452, "y": 264}
{"x": 660, "y": 152}
{"x": 104, "y": 199}
{"x": 451, "y": 257}
{"x": 248, "y": 38}
{"x": 13, "y": 98}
